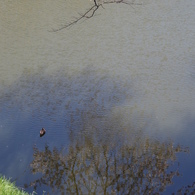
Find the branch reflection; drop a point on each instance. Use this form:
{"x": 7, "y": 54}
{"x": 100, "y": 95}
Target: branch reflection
{"x": 128, "y": 166}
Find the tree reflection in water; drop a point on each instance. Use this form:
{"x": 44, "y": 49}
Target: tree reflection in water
{"x": 139, "y": 166}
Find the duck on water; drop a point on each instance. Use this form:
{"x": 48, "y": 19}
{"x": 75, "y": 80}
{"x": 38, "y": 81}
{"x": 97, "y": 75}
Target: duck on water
{"x": 42, "y": 132}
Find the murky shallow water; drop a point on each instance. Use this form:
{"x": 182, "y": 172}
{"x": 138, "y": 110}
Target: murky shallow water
{"x": 115, "y": 94}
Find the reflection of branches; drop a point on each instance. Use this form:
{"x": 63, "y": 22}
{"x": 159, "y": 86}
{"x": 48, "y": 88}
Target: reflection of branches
{"x": 138, "y": 168}
{"x": 189, "y": 189}
{"x": 91, "y": 11}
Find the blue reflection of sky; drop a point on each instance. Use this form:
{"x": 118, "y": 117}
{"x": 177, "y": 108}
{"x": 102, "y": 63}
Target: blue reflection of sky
{"x": 66, "y": 106}
{"x": 61, "y": 107}
{"x": 19, "y": 133}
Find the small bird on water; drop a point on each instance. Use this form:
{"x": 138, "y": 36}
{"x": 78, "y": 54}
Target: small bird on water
{"x": 42, "y": 132}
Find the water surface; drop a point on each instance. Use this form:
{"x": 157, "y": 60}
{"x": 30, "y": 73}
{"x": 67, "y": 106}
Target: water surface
{"x": 118, "y": 87}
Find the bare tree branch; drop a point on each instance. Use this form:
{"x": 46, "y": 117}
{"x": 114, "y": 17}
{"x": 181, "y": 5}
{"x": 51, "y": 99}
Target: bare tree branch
{"x": 91, "y": 11}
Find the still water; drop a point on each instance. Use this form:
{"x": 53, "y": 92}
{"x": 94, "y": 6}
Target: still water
{"x": 115, "y": 93}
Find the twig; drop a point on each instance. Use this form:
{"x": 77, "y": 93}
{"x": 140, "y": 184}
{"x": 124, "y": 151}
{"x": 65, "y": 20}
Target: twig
{"x": 91, "y": 11}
